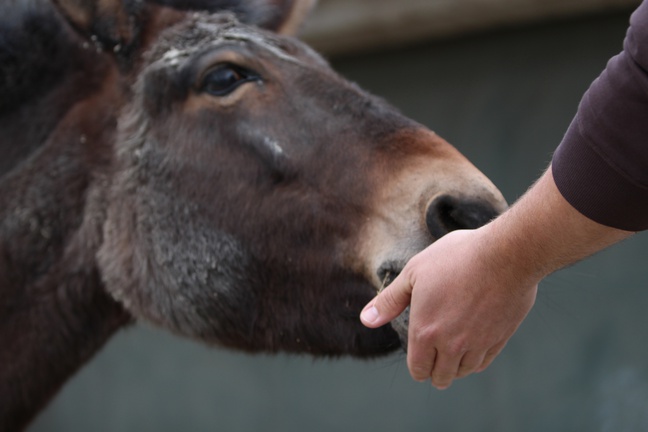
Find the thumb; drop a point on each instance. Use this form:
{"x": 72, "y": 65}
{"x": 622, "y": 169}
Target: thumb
{"x": 388, "y": 304}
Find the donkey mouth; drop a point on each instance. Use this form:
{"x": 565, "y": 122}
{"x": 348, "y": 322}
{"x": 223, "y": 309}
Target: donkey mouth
{"x": 387, "y": 274}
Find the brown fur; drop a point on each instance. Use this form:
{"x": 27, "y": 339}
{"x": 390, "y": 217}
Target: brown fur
{"x": 248, "y": 219}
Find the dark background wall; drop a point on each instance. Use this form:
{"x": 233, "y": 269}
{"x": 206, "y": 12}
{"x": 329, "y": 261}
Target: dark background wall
{"x": 578, "y": 363}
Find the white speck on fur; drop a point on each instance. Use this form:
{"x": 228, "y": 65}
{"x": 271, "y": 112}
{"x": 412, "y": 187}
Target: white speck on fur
{"x": 173, "y": 56}
{"x": 274, "y": 146}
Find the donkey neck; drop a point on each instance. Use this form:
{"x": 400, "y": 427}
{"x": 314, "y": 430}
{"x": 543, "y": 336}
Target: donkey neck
{"x": 54, "y": 313}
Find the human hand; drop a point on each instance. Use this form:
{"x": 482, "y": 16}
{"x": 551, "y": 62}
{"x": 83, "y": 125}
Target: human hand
{"x": 466, "y": 299}
{"x": 470, "y": 290}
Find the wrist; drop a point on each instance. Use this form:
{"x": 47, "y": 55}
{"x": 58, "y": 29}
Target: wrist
{"x": 509, "y": 256}
{"x": 542, "y": 233}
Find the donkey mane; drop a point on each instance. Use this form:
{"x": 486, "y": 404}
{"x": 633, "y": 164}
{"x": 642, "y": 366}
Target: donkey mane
{"x": 38, "y": 54}
{"x": 31, "y": 49}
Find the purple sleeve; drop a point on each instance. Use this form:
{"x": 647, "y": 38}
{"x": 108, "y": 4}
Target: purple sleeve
{"x": 601, "y": 166}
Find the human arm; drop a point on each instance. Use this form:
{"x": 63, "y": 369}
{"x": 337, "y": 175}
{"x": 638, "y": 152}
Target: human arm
{"x": 470, "y": 290}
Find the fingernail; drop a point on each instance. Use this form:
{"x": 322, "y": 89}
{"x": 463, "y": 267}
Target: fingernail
{"x": 370, "y": 315}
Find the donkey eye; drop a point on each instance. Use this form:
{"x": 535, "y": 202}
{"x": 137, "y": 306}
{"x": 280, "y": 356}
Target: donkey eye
{"x": 224, "y": 79}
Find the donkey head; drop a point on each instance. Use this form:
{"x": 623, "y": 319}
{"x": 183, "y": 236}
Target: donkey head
{"x": 257, "y": 199}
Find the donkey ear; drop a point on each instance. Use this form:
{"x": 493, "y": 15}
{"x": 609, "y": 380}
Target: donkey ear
{"x": 282, "y": 16}
{"x": 113, "y": 23}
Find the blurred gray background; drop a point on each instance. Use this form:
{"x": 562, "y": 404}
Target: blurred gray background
{"x": 504, "y": 94}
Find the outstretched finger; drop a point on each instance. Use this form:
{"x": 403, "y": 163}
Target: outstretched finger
{"x": 388, "y": 304}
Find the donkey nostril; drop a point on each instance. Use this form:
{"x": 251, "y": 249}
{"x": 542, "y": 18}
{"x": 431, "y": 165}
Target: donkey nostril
{"x": 447, "y": 213}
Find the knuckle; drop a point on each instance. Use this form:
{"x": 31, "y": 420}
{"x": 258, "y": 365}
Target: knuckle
{"x": 456, "y": 347}
{"x": 388, "y": 301}
{"x": 424, "y": 336}
{"x": 389, "y": 298}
